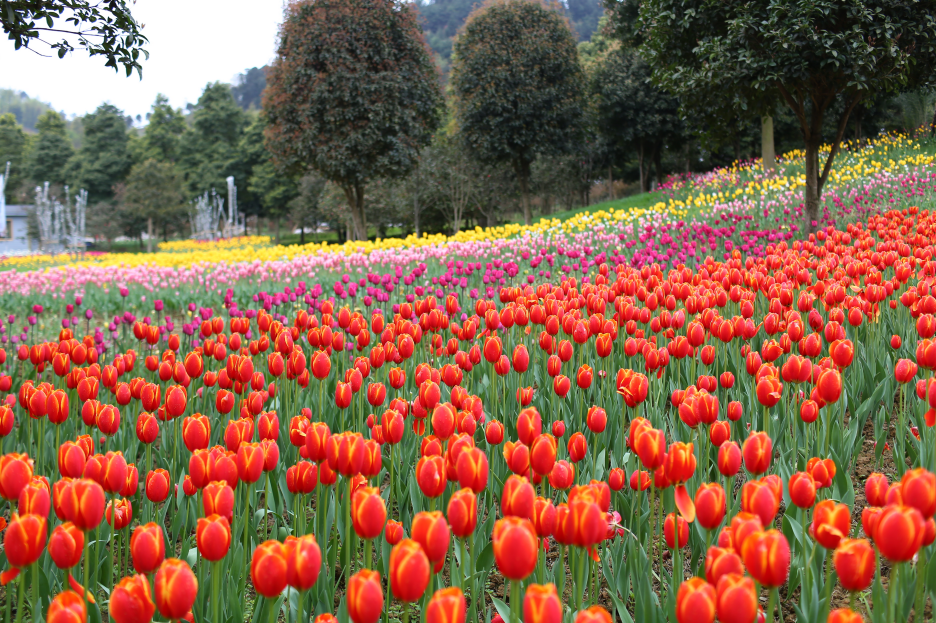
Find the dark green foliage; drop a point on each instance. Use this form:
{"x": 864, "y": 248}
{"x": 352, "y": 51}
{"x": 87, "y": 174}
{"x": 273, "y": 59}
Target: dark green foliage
{"x": 12, "y": 148}
{"x": 154, "y": 190}
{"x": 163, "y": 131}
{"x": 24, "y": 108}
{"x": 631, "y": 113}
{"x": 209, "y": 148}
{"x": 813, "y": 56}
{"x": 352, "y": 94}
{"x": 51, "y": 151}
{"x": 103, "y": 160}
{"x": 103, "y": 28}
{"x": 248, "y": 88}
{"x": 519, "y": 86}
{"x": 268, "y": 190}
{"x": 442, "y": 19}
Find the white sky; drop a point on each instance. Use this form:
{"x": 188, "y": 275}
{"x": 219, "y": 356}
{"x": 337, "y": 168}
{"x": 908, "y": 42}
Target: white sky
{"x": 191, "y": 43}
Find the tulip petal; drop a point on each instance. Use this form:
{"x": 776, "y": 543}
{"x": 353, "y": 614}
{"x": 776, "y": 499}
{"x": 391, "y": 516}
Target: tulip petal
{"x": 3, "y": 524}
{"x": 684, "y": 503}
{"x": 8, "y": 576}
{"x": 78, "y": 588}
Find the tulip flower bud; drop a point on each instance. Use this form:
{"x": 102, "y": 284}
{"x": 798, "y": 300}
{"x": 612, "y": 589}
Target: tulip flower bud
{"x": 898, "y": 532}
{"x": 831, "y": 523}
{"x": 67, "y": 607}
{"x": 695, "y": 602}
{"x": 766, "y": 556}
{"x": 176, "y": 588}
{"x": 710, "y": 505}
{"x": 24, "y": 539}
{"x": 757, "y": 452}
{"x": 735, "y": 599}
{"x": 409, "y": 571}
{"x": 131, "y": 601}
{"x": 669, "y": 531}
{"x": 721, "y": 561}
{"x": 368, "y": 513}
{"x": 463, "y": 513}
{"x": 147, "y": 548}
{"x": 303, "y": 562}
{"x": 518, "y": 497}
{"x": 431, "y": 531}
{"x": 268, "y": 568}
{"x": 855, "y": 562}
{"x": 213, "y": 537}
{"x": 516, "y": 547}
{"x": 365, "y": 597}
{"x": 541, "y": 604}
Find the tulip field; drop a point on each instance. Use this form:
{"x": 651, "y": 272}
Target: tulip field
{"x": 690, "y": 413}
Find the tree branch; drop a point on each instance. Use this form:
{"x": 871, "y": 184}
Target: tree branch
{"x": 838, "y": 140}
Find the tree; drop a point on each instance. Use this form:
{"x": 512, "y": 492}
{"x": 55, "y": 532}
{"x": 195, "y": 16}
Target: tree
{"x": 51, "y": 151}
{"x": 813, "y": 54}
{"x": 518, "y": 86}
{"x": 103, "y": 28}
{"x": 270, "y": 189}
{"x": 209, "y": 148}
{"x": 352, "y": 94}
{"x": 12, "y": 148}
{"x": 103, "y": 160}
{"x": 163, "y": 131}
{"x": 631, "y": 113}
{"x": 154, "y": 192}
{"x": 248, "y": 88}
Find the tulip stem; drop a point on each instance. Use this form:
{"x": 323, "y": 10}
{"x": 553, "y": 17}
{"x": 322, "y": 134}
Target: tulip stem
{"x": 893, "y": 579}
{"x": 347, "y": 526}
{"x": 367, "y": 553}
{"x": 515, "y": 607}
{"x": 22, "y": 597}
{"x": 920, "y": 590}
{"x": 405, "y": 612}
{"x": 771, "y": 601}
{"x": 827, "y": 585}
{"x": 87, "y": 567}
{"x": 215, "y": 589}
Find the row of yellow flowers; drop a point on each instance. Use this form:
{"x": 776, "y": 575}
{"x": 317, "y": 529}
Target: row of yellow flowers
{"x": 888, "y": 153}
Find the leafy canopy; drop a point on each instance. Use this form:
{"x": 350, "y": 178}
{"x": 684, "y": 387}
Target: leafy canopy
{"x": 105, "y": 29}
{"x": 518, "y": 83}
{"x": 353, "y": 92}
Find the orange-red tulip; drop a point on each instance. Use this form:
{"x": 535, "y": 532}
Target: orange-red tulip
{"x": 463, "y": 513}
{"x": 541, "y": 604}
{"x": 67, "y": 607}
{"x": 898, "y": 532}
{"x": 303, "y": 562}
{"x": 147, "y": 548}
{"x": 368, "y": 512}
{"x": 176, "y": 588}
{"x": 409, "y": 570}
{"x": 365, "y": 597}
{"x": 213, "y": 537}
{"x": 516, "y": 547}
{"x": 855, "y": 561}
{"x": 268, "y": 568}
{"x": 736, "y": 599}
{"x": 132, "y": 601}
{"x": 831, "y": 523}
{"x": 695, "y": 602}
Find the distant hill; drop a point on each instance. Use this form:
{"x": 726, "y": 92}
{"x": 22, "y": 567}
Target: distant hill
{"x": 441, "y": 20}
{"x": 24, "y": 108}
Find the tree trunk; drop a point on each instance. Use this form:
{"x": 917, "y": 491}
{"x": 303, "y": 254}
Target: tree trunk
{"x": 277, "y": 230}
{"x": 657, "y": 165}
{"x": 933, "y": 125}
{"x": 768, "y": 155}
{"x": 416, "y": 204}
{"x": 640, "y": 167}
{"x": 301, "y": 228}
{"x": 812, "y": 184}
{"x": 611, "y": 183}
{"x": 149, "y": 235}
{"x": 522, "y": 168}
{"x": 355, "y": 196}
